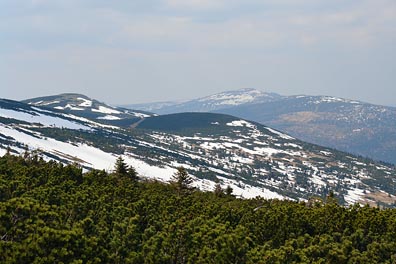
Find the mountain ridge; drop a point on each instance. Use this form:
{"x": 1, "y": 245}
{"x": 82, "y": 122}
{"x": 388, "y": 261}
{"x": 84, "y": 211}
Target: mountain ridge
{"x": 209, "y": 103}
{"x": 353, "y": 126}
{"x": 252, "y": 158}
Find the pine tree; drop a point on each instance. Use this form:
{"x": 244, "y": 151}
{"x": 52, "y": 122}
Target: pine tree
{"x": 218, "y": 191}
{"x": 229, "y": 190}
{"x": 132, "y": 173}
{"x": 181, "y": 179}
{"x": 26, "y": 154}
{"x": 120, "y": 166}
{"x": 8, "y": 153}
{"x": 331, "y": 198}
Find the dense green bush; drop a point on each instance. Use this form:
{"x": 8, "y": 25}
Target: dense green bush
{"x": 54, "y": 213}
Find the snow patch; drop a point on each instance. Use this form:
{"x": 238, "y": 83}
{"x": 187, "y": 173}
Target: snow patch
{"x": 354, "y": 195}
{"x": 45, "y": 120}
{"x": 82, "y": 153}
{"x": 145, "y": 170}
{"x": 293, "y": 145}
{"x": 2, "y": 152}
{"x": 240, "y": 123}
{"x": 106, "y": 110}
{"x": 71, "y": 107}
{"x": 141, "y": 115}
{"x": 284, "y": 136}
{"x": 227, "y": 98}
{"x": 109, "y": 117}
{"x": 267, "y": 151}
{"x": 239, "y": 189}
{"x": 85, "y": 103}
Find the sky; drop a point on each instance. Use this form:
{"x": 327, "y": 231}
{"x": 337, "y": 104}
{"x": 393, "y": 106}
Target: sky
{"x": 130, "y": 51}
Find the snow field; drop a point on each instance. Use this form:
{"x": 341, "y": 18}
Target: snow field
{"x": 45, "y": 120}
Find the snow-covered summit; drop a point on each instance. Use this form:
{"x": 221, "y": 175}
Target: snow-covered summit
{"x": 213, "y": 102}
{"x": 83, "y": 106}
{"x": 238, "y": 97}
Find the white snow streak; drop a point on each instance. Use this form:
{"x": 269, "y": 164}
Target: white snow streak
{"x": 241, "y": 123}
{"x": 279, "y": 133}
{"x": 106, "y": 110}
{"x": 41, "y": 119}
{"x": 109, "y": 117}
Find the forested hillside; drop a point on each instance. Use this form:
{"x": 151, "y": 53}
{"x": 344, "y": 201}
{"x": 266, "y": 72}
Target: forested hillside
{"x": 52, "y": 213}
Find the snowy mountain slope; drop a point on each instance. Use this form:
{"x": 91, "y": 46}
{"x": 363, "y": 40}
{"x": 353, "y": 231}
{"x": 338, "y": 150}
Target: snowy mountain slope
{"x": 83, "y": 106}
{"x": 265, "y": 157}
{"x": 348, "y": 125}
{"x": 352, "y": 126}
{"x": 210, "y": 103}
{"x": 251, "y": 158}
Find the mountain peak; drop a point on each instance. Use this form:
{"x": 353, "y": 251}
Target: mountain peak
{"x": 57, "y": 96}
{"x": 213, "y": 102}
{"x": 236, "y": 97}
{"x": 73, "y": 101}
{"x": 72, "y": 95}
{"x": 245, "y": 90}
{"x": 83, "y": 106}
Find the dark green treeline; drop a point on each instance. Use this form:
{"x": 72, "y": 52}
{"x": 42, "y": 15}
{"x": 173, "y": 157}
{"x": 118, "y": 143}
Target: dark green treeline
{"x": 52, "y": 213}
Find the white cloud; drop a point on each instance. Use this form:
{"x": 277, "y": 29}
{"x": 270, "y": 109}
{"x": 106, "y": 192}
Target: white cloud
{"x": 259, "y": 24}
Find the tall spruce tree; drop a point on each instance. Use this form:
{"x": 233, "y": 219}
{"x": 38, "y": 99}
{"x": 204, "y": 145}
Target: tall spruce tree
{"x": 120, "y": 166}
{"x": 181, "y": 180}
{"x": 122, "y": 169}
{"x": 218, "y": 191}
{"x": 132, "y": 173}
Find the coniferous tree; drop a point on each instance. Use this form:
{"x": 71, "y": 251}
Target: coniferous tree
{"x": 132, "y": 173}
{"x": 120, "y": 166}
{"x": 218, "y": 191}
{"x": 8, "y": 151}
{"x": 229, "y": 190}
{"x": 55, "y": 213}
{"x": 330, "y": 198}
{"x": 26, "y": 153}
{"x": 181, "y": 179}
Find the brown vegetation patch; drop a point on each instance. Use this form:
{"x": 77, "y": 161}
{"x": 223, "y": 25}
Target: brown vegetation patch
{"x": 300, "y": 117}
{"x": 380, "y": 196}
{"x": 69, "y": 157}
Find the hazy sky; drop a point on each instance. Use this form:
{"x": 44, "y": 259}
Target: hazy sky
{"x": 130, "y": 51}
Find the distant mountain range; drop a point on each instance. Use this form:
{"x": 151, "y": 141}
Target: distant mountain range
{"x": 253, "y": 159}
{"x": 348, "y": 125}
{"x": 210, "y": 103}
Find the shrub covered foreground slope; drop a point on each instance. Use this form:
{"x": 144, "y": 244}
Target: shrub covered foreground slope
{"x": 54, "y": 213}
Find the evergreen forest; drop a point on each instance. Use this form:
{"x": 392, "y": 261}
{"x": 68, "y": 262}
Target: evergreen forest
{"x": 55, "y": 213}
